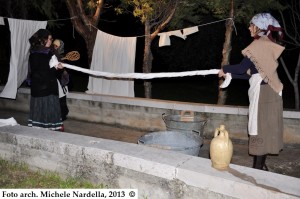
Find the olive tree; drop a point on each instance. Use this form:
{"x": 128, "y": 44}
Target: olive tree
{"x": 290, "y": 17}
{"x": 155, "y": 15}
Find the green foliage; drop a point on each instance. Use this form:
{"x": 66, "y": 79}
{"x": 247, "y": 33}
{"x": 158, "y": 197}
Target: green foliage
{"x": 46, "y": 7}
{"x": 145, "y": 9}
{"x": 245, "y": 11}
{"x": 142, "y": 9}
{"x": 91, "y": 5}
{"x": 187, "y": 14}
{"x": 16, "y": 175}
{"x": 193, "y": 12}
{"x": 34, "y": 9}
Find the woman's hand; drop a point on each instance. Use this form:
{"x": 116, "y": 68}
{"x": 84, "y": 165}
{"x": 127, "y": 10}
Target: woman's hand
{"x": 59, "y": 66}
{"x": 221, "y": 73}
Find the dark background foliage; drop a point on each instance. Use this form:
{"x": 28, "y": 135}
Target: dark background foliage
{"x": 199, "y": 51}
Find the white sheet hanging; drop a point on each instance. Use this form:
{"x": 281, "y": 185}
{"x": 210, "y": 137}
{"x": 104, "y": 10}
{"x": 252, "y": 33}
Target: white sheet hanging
{"x": 20, "y": 32}
{"x": 2, "y": 21}
{"x": 116, "y": 55}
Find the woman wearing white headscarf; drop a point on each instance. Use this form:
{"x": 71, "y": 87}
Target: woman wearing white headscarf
{"x": 259, "y": 65}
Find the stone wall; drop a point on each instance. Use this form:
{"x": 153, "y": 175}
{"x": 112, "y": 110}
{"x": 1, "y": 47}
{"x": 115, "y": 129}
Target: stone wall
{"x": 146, "y": 114}
{"x": 153, "y": 172}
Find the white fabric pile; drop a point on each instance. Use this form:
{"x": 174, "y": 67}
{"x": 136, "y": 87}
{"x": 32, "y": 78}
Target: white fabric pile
{"x": 8, "y": 122}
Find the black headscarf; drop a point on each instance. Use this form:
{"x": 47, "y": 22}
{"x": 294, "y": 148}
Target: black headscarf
{"x": 39, "y": 39}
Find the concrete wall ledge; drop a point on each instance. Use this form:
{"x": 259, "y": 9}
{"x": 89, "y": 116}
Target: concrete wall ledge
{"x": 155, "y": 173}
{"x": 146, "y": 114}
{"x": 175, "y": 105}
{"x": 166, "y": 104}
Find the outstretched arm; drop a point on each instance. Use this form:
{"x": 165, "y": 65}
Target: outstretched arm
{"x": 238, "y": 71}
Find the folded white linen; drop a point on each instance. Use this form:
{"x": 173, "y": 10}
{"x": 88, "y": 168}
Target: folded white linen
{"x": 8, "y": 122}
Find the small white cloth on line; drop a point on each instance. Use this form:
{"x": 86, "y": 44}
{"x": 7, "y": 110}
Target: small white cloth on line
{"x": 164, "y": 37}
{"x": 189, "y": 31}
{"x": 253, "y": 94}
{"x": 8, "y": 122}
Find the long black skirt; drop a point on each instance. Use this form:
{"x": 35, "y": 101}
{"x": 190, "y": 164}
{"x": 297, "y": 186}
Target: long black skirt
{"x": 45, "y": 113}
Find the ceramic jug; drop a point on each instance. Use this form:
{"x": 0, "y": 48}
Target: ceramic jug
{"x": 221, "y": 149}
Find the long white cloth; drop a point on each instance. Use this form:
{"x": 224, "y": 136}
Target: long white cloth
{"x": 116, "y": 55}
{"x": 253, "y": 94}
{"x": 227, "y": 80}
{"x": 20, "y": 32}
{"x": 62, "y": 91}
{"x": 143, "y": 75}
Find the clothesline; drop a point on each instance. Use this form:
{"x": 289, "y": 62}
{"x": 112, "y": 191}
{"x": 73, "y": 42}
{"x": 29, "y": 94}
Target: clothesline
{"x": 141, "y": 75}
{"x": 205, "y": 24}
{"x": 64, "y": 19}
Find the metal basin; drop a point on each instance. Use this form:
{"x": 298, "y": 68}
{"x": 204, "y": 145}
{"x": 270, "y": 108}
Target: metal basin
{"x": 181, "y": 142}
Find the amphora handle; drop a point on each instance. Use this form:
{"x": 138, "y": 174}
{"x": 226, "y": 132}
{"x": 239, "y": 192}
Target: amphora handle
{"x": 221, "y": 131}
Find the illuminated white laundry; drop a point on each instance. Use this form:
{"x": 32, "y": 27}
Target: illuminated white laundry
{"x": 164, "y": 37}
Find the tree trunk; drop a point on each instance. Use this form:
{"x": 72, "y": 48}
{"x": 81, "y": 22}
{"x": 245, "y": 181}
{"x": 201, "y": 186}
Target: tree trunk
{"x": 89, "y": 36}
{"x": 294, "y": 81}
{"x": 85, "y": 24}
{"x": 90, "y": 43}
{"x": 222, "y": 96}
{"x": 147, "y": 61}
{"x": 296, "y": 91}
{"x": 296, "y": 86}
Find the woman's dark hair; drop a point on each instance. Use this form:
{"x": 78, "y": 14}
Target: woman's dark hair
{"x": 39, "y": 38}
{"x": 276, "y": 37}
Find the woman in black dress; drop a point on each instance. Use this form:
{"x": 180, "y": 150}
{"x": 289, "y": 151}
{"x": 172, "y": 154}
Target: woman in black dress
{"x": 44, "y": 103}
